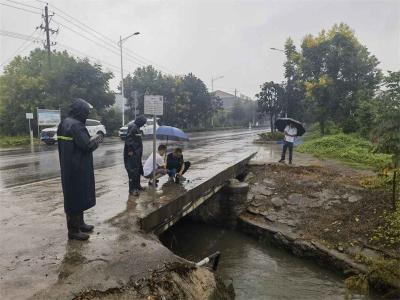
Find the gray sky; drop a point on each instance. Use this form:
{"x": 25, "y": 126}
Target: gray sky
{"x": 210, "y": 38}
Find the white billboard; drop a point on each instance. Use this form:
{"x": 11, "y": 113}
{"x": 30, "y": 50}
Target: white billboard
{"x": 48, "y": 117}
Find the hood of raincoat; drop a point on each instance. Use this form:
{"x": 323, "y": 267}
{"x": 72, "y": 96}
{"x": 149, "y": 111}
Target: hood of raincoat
{"x": 132, "y": 130}
{"x": 140, "y": 121}
{"x": 80, "y": 110}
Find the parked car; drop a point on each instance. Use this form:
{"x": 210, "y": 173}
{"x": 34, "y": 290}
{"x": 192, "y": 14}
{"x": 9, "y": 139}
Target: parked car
{"x": 145, "y": 130}
{"x": 49, "y": 135}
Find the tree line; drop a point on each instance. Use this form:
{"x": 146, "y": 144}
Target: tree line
{"x": 29, "y": 83}
{"x": 333, "y": 80}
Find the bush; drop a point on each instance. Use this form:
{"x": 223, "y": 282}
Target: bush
{"x": 348, "y": 148}
{"x": 388, "y": 234}
{"x": 12, "y": 141}
{"x": 271, "y": 136}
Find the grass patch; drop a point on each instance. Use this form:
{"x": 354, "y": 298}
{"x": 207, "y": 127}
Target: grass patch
{"x": 14, "y": 141}
{"x": 347, "y": 148}
{"x": 271, "y": 136}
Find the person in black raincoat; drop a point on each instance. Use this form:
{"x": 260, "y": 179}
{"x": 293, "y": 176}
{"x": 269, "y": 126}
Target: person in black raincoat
{"x": 133, "y": 151}
{"x": 76, "y": 161}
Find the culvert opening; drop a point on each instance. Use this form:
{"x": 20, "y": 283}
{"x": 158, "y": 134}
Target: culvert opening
{"x": 256, "y": 270}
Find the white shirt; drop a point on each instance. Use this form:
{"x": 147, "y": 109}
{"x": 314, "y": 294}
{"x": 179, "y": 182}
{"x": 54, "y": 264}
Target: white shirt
{"x": 148, "y": 165}
{"x": 291, "y": 130}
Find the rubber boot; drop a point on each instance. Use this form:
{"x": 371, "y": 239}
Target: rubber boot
{"x": 83, "y": 226}
{"x": 73, "y": 224}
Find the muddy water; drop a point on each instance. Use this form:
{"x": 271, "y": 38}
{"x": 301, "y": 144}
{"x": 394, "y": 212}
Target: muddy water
{"x": 258, "y": 271}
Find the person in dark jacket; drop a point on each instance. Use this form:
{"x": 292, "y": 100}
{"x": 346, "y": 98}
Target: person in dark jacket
{"x": 176, "y": 166}
{"x": 76, "y": 161}
{"x": 133, "y": 152}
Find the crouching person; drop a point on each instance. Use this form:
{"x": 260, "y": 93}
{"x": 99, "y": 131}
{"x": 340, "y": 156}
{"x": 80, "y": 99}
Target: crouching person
{"x": 176, "y": 166}
{"x": 76, "y": 161}
{"x": 160, "y": 165}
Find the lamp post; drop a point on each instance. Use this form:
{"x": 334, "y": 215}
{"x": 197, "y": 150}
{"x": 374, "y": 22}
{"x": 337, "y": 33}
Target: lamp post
{"x": 212, "y": 90}
{"x": 121, "y": 41}
{"x": 276, "y": 49}
{"x": 287, "y": 101}
{"x": 215, "y": 79}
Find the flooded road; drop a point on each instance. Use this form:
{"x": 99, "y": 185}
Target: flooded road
{"x": 258, "y": 271}
{"x": 21, "y": 166}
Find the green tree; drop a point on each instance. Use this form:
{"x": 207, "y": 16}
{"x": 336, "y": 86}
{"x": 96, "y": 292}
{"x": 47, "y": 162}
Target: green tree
{"x": 341, "y": 71}
{"x": 271, "y": 101}
{"x": 29, "y": 83}
{"x": 294, "y": 88}
{"x": 387, "y": 132}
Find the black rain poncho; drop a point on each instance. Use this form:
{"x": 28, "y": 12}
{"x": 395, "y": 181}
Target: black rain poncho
{"x": 76, "y": 160}
{"x": 134, "y": 144}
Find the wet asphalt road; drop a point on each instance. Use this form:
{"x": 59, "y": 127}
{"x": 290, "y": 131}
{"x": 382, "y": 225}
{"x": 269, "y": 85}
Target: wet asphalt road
{"x": 24, "y": 166}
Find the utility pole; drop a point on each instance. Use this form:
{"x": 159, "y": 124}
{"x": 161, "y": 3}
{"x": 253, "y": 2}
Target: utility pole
{"x": 48, "y": 31}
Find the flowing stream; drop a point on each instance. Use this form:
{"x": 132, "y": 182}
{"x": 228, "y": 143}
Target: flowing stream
{"x": 258, "y": 271}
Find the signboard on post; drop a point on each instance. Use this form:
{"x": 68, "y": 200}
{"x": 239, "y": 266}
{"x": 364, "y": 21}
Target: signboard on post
{"x": 153, "y": 105}
{"x": 48, "y": 117}
{"x": 29, "y": 116}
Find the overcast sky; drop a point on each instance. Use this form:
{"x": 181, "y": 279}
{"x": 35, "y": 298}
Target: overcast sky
{"x": 208, "y": 38}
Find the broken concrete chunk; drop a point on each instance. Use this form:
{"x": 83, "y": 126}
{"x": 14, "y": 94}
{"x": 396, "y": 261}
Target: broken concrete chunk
{"x": 277, "y": 202}
{"x": 353, "y": 198}
{"x": 296, "y": 199}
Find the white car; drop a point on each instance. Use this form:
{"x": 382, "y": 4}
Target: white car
{"x": 49, "y": 135}
{"x": 145, "y": 130}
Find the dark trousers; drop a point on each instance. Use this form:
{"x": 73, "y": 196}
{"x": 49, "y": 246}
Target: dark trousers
{"x": 173, "y": 172}
{"x": 134, "y": 180}
{"x": 287, "y": 145}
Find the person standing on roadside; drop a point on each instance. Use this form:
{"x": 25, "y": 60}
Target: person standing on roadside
{"x": 290, "y": 134}
{"x": 75, "y": 149}
{"x": 133, "y": 152}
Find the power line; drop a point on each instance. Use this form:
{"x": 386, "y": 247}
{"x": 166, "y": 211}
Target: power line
{"x": 140, "y": 62}
{"x": 108, "y": 40}
{"x": 20, "y": 49}
{"x": 19, "y": 36}
{"x": 20, "y": 8}
{"x": 110, "y": 65}
{"x": 24, "y": 4}
{"x": 106, "y": 47}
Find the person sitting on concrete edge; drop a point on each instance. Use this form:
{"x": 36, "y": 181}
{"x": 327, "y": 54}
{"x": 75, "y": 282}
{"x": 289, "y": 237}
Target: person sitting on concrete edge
{"x": 148, "y": 171}
{"x": 290, "y": 135}
{"x": 133, "y": 151}
{"x": 176, "y": 166}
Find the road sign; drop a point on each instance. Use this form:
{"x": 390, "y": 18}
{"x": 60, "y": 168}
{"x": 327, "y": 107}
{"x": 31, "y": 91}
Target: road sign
{"x": 48, "y": 117}
{"x": 29, "y": 116}
{"x": 153, "y": 105}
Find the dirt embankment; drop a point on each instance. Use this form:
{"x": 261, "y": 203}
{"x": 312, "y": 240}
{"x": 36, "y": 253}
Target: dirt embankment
{"x": 174, "y": 281}
{"x": 323, "y": 213}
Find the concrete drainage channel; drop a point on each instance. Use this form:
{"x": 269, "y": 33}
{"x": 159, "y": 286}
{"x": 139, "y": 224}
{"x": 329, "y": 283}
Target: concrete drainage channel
{"x": 224, "y": 214}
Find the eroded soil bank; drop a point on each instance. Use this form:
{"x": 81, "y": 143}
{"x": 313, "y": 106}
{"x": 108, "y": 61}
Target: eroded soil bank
{"x": 323, "y": 213}
{"x": 174, "y": 281}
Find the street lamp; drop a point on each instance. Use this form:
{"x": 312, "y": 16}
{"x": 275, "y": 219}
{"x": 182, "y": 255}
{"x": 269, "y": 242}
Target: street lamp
{"x": 276, "y": 49}
{"x": 215, "y": 79}
{"x": 287, "y": 103}
{"x": 121, "y": 41}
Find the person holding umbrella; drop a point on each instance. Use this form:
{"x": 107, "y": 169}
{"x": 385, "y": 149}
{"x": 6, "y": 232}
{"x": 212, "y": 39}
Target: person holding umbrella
{"x": 291, "y": 128}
